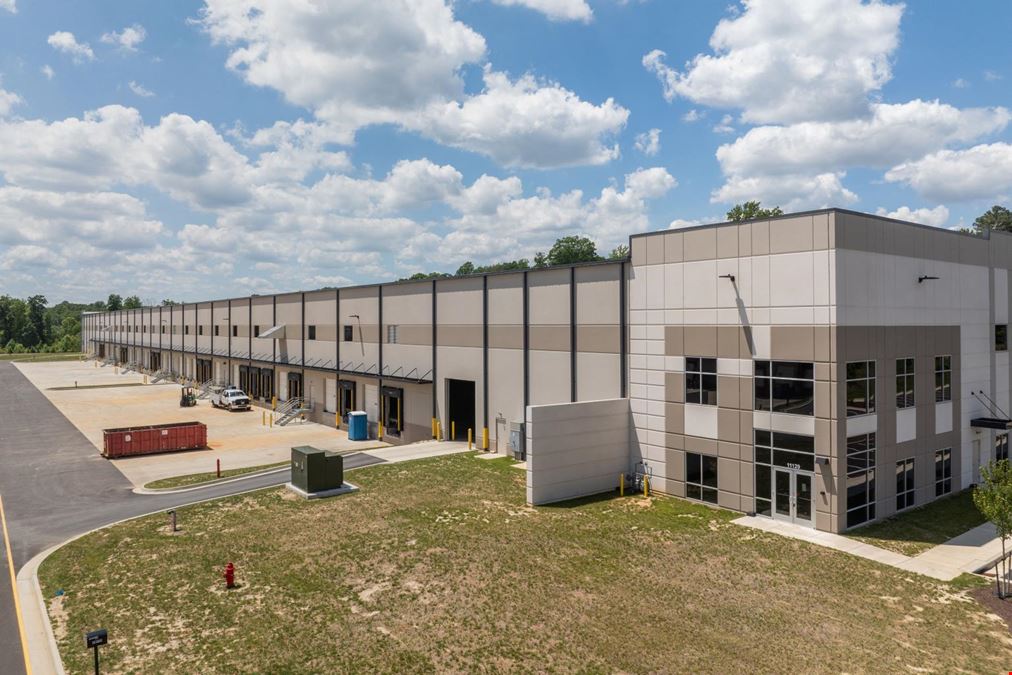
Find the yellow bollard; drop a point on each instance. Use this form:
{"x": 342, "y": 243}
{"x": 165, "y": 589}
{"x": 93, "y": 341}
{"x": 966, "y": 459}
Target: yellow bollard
{"x": 274, "y": 402}
{"x": 337, "y": 420}
{"x": 621, "y": 485}
{"x": 646, "y": 485}
{"x": 484, "y": 439}
{"x": 432, "y": 427}
{"x": 453, "y": 430}
{"x": 468, "y": 439}
{"x": 270, "y": 421}
{"x": 379, "y": 432}
{"x": 263, "y": 418}
{"x": 439, "y": 430}
{"x": 145, "y": 379}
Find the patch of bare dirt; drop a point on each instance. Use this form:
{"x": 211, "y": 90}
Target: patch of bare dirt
{"x": 58, "y": 617}
{"x": 1001, "y": 609}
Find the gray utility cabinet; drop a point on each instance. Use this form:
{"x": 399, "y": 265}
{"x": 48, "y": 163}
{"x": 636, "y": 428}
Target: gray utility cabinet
{"x": 315, "y": 470}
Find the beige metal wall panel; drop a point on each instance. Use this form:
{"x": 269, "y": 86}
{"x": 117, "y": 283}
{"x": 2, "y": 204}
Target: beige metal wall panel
{"x": 459, "y": 301}
{"x": 549, "y": 338}
{"x": 505, "y": 299}
{"x": 459, "y": 335}
{"x": 548, "y": 297}
{"x": 505, "y": 391}
{"x": 598, "y": 376}
{"x": 320, "y": 352}
{"x": 597, "y": 295}
{"x": 402, "y": 360}
{"x": 409, "y": 304}
{"x": 506, "y": 337}
{"x": 599, "y": 339}
{"x": 549, "y": 373}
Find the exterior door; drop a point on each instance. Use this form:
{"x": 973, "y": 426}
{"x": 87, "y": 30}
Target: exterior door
{"x": 372, "y": 402}
{"x": 792, "y": 496}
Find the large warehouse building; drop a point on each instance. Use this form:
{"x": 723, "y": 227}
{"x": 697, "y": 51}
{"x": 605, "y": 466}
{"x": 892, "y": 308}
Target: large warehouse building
{"x": 828, "y": 368}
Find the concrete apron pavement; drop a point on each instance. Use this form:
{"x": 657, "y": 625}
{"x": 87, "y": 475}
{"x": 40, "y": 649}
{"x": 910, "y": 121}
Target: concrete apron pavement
{"x": 969, "y": 552}
{"x": 43, "y": 652}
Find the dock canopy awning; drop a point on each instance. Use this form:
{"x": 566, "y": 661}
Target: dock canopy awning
{"x": 990, "y": 423}
{"x": 274, "y": 332}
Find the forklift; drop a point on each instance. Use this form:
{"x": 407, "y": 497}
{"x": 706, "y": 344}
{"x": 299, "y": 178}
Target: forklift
{"x": 187, "y": 399}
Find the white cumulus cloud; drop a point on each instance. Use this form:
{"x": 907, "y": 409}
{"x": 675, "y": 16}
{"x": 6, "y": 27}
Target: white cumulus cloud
{"x": 10, "y": 5}
{"x": 126, "y": 39}
{"x": 792, "y": 192}
{"x": 936, "y": 217}
{"x": 356, "y": 63}
{"x": 64, "y": 41}
{"x": 8, "y": 99}
{"x": 140, "y": 89}
{"x": 649, "y": 142}
{"x": 787, "y": 61}
{"x": 556, "y": 10}
{"x": 983, "y": 171}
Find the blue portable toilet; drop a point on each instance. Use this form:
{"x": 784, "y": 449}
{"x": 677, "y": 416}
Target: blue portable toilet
{"x": 358, "y": 426}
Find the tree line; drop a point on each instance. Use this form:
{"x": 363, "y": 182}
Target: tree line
{"x": 30, "y": 325}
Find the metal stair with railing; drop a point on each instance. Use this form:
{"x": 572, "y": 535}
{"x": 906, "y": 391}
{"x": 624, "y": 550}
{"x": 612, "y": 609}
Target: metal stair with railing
{"x": 160, "y": 376}
{"x": 290, "y": 410}
{"x": 206, "y": 388}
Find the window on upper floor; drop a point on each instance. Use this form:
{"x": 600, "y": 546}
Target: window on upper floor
{"x": 200, "y": 329}
{"x": 905, "y": 383}
{"x": 217, "y": 332}
{"x": 349, "y": 333}
{"x": 943, "y": 378}
{"x": 311, "y": 333}
{"x": 392, "y": 334}
{"x": 785, "y": 387}
{"x": 860, "y": 388}
{"x": 256, "y": 331}
{"x": 1001, "y": 338}
{"x": 700, "y": 380}
{"x": 235, "y": 331}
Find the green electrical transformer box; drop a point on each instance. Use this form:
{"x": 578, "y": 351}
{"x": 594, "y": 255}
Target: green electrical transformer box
{"x": 315, "y": 470}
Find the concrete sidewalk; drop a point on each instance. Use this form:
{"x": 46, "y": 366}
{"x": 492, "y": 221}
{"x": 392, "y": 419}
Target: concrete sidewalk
{"x": 968, "y": 552}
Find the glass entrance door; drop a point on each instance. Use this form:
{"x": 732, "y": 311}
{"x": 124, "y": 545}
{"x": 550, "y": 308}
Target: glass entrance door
{"x": 792, "y": 496}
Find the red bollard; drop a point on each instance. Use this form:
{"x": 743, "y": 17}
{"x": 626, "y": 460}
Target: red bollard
{"x": 229, "y": 576}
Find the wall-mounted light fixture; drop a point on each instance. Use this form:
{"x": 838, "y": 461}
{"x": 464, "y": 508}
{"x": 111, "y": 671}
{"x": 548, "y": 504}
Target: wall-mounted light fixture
{"x": 921, "y": 280}
{"x": 727, "y": 276}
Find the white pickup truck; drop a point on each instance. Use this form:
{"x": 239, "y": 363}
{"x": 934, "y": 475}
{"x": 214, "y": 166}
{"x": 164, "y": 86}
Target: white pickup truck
{"x": 230, "y": 399}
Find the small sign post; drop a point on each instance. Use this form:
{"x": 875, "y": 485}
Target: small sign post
{"x": 94, "y": 640}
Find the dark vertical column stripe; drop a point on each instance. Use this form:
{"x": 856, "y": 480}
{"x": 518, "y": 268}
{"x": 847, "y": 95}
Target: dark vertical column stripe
{"x": 484, "y": 351}
{"x": 435, "y": 388}
{"x": 622, "y": 331}
{"x": 572, "y": 334}
{"x": 527, "y": 354}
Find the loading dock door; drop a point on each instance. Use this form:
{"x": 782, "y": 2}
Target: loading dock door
{"x": 460, "y": 408}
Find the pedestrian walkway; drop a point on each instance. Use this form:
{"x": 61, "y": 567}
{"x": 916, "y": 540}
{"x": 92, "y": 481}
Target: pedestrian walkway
{"x": 968, "y": 552}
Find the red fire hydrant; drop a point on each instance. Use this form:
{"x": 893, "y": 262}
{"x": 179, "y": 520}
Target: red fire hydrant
{"x": 229, "y": 576}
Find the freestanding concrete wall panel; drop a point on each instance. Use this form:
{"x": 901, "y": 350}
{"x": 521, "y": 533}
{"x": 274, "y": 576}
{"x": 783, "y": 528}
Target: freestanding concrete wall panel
{"x": 576, "y": 449}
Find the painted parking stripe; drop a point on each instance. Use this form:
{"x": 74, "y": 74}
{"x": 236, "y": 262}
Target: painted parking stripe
{"x": 14, "y": 587}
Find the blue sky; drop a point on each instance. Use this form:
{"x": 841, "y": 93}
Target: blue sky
{"x": 196, "y": 149}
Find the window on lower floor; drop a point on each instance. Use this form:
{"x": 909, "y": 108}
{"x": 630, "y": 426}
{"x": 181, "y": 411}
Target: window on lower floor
{"x": 700, "y": 380}
{"x": 311, "y": 333}
{"x": 701, "y": 477}
{"x": 943, "y": 472}
{"x": 904, "y": 484}
{"x": 860, "y": 479}
{"x": 904, "y": 383}
{"x": 785, "y": 387}
{"x": 1001, "y": 447}
{"x": 943, "y": 378}
{"x": 860, "y": 388}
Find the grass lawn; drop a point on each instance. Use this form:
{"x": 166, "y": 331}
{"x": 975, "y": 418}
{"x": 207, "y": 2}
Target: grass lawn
{"x": 209, "y": 477}
{"x": 914, "y": 532}
{"x": 38, "y": 358}
{"x": 439, "y": 565}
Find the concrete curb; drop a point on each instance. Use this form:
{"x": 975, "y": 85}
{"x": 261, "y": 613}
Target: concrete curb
{"x": 204, "y": 486}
